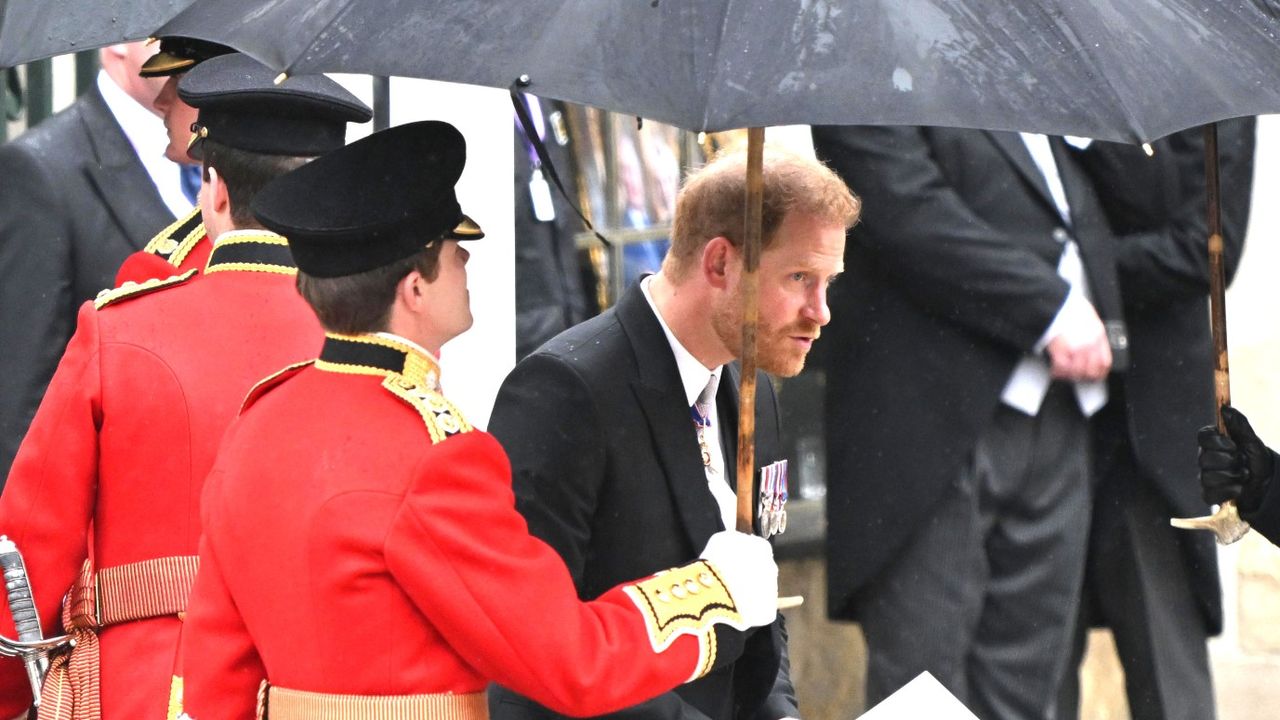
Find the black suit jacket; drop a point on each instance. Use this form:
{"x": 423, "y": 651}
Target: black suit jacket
{"x": 74, "y": 202}
{"x": 951, "y": 276}
{"x": 1156, "y": 207}
{"x": 606, "y": 469}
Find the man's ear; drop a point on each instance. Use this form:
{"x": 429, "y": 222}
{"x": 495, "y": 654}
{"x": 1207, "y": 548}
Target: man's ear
{"x": 410, "y": 290}
{"x": 720, "y": 262}
{"x": 219, "y": 197}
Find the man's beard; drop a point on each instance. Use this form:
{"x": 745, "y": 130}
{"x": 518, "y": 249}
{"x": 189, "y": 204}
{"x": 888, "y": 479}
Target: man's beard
{"x": 776, "y": 353}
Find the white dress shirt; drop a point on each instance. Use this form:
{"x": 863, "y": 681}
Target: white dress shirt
{"x": 1027, "y": 386}
{"x": 146, "y": 133}
{"x": 693, "y": 379}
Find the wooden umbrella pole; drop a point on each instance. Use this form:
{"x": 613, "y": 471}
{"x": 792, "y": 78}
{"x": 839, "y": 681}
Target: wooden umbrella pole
{"x": 1226, "y": 523}
{"x": 1217, "y": 275}
{"x": 751, "y": 243}
{"x": 750, "y": 313}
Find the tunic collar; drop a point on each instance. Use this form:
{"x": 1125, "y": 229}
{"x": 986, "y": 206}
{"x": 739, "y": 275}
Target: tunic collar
{"x": 380, "y": 354}
{"x": 252, "y": 251}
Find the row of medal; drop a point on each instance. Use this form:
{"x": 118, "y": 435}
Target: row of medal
{"x": 773, "y": 499}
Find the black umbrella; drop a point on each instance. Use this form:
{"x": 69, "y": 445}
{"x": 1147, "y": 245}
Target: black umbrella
{"x": 1126, "y": 70}
{"x": 36, "y": 29}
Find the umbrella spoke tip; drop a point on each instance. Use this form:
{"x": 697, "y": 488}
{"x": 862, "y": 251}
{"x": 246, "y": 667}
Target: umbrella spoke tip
{"x": 281, "y": 78}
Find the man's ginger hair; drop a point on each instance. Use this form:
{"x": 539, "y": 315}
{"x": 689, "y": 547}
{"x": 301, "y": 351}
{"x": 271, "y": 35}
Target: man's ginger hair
{"x": 713, "y": 200}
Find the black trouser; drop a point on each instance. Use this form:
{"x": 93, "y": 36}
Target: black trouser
{"x": 1137, "y": 583}
{"x": 985, "y": 595}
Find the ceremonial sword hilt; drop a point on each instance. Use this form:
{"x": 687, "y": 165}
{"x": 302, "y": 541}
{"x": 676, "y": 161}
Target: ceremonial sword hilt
{"x": 30, "y": 645}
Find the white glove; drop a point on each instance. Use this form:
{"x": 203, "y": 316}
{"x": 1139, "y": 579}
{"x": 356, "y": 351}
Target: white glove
{"x": 745, "y": 564}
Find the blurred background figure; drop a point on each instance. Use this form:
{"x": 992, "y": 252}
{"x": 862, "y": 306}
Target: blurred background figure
{"x": 1157, "y": 587}
{"x": 643, "y": 207}
{"x": 549, "y": 284}
{"x": 966, "y": 353}
{"x": 83, "y": 190}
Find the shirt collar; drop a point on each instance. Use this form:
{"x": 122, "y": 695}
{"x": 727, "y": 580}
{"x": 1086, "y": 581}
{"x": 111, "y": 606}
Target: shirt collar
{"x": 144, "y": 129}
{"x": 411, "y": 344}
{"x": 693, "y": 374}
{"x": 147, "y": 136}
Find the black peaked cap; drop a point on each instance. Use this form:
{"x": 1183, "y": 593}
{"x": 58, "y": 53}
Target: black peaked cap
{"x": 371, "y": 203}
{"x": 242, "y": 107}
{"x": 180, "y": 54}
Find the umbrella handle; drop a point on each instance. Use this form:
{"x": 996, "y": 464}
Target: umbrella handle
{"x": 1226, "y": 523}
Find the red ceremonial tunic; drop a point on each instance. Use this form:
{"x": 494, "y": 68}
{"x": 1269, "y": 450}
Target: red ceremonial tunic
{"x": 361, "y": 539}
{"x": 182, "y": 246}
{"x": 116, "y": 456}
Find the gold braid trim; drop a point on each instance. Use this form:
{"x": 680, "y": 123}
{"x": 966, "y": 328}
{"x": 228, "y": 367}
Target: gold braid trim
{"x": 441, "y": 417}
{"x": 175, "y": 699}
{"x": 252, "y": 267}
{"x": 237, "y": 252}
{"x": 417, "y": 368}
{"x": 686, "y": 600}
{"x": 133, "y": 289}
{"x": 172, "y": 243}
{"x": 353, "y": 369}
{"x": 271, "y": 381}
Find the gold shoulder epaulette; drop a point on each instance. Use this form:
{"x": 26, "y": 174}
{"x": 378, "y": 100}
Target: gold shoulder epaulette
{"x": 266, "y": 384}
{"x": 175, "y": 242}
{"x": 687, "y": 600}
{"x": 132, "y": 289}
{"x": 442, "y": 417}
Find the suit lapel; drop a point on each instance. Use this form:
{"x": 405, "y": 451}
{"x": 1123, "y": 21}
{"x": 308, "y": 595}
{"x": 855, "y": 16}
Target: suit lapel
{"x": 661, "y": 398}
{"x": 1015, "y": 150}
{"x": 727, "y": 409}
{"x": 1090, "y": 231}
{"x": 118, "y": 177}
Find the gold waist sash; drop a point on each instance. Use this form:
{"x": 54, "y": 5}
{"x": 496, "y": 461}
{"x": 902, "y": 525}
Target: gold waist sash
{"x": 284, "y": 704}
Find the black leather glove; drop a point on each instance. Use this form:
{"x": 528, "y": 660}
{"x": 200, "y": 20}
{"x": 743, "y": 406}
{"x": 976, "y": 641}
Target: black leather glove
{"x": 1236, "y": 466}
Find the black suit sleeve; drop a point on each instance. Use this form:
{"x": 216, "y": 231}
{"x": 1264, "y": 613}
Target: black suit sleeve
{"x": 944, "y": 256}
{"x": 1162, "y": 254}
{"x": 781, "y": 701}
{"x": 36, "y": 313}
{"x": 549, "y": 425}
{"x": 506, "y": 705}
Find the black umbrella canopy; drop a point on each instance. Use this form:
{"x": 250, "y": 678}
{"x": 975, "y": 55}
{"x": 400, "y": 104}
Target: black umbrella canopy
{"x": 36, "y": 29}
{"x": 1124, "y": 70}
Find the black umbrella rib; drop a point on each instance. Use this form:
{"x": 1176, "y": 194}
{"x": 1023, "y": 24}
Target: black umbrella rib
{"x": 1071, "y": 36}
{"x": 340, "y": 11}
{"x": 707, "y": 83}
